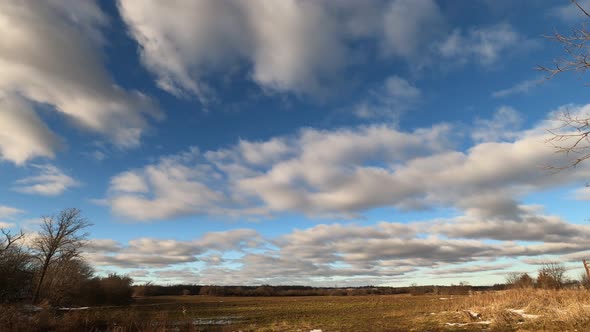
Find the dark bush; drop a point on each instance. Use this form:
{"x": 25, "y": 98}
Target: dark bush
{"x": 117, "y": 289}
{"x": 16, "y": 268}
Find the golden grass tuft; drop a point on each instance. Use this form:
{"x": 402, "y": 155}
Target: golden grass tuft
{"x": 557, "y": 310}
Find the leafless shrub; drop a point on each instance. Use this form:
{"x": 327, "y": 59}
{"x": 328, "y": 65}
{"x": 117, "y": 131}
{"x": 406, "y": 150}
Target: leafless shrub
{"x": 551, "y": 276}
{"x": 520, "y": 280}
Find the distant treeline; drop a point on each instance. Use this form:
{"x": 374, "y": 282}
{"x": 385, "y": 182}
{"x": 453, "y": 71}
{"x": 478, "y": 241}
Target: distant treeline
{"x": 267, "y": 290}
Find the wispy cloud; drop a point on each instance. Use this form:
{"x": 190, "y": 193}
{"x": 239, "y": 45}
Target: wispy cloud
{"x": 51, "y": 181}
{"x": 503, "y": 126}
{"x": 484, "y": 45}
{"x": 8, "y": 213}
{"x": 519, "y": 88}
{"x": 570, "y": 12}
{"x": 388, "y": 101}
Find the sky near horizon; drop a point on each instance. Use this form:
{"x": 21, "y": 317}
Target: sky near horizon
{"x": 295, "y": 142}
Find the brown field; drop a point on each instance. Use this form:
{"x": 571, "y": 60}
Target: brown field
{"x": 544, "y": 310}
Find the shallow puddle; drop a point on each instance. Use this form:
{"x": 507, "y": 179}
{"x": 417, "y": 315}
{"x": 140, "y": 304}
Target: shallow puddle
{"x": 224, "y": 320}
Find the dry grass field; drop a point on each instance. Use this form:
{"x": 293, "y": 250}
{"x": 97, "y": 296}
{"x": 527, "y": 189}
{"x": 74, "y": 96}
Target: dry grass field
{"x": 513, "y": 310}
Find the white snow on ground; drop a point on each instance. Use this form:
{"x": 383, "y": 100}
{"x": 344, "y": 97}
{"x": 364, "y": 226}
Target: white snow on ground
{"x": 475, "y": 315}
{"x": 522, "y": 314}
{"x": 483, "y": 322}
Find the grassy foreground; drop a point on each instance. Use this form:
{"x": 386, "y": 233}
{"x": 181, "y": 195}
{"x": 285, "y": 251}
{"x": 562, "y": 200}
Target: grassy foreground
{"x": 512, "y": 310}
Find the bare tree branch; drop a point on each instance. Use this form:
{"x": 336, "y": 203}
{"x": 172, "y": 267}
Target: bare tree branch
{"x": 572, "y": 137}
{"x": 9, "y": 239}
{"x": 581, "y": 8}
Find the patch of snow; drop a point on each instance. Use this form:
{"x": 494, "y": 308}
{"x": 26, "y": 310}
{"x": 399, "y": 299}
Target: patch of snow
{"x": 522, "y": 314}
{"x": 483, "y": 322}
{"x": 73, "y": 309}
{"x": 315, "y": 330}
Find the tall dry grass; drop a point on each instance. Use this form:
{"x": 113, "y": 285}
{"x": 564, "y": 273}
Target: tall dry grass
{"x": 555, "y": 310}
{"x": 544, "y": 310}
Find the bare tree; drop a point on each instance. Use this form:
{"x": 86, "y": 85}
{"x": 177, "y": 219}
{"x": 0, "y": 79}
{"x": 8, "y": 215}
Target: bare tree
{"x": 572, "y": 136}
{"x": 60, "y": 239}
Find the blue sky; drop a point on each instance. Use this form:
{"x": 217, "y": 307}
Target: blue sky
{"x": 294, "y": 142}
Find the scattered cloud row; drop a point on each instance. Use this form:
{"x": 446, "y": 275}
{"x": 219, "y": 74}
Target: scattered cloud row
{"x": 349, "y": 253}
{"x": 150, "y": 252}
{"x": 344, "y": 172}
